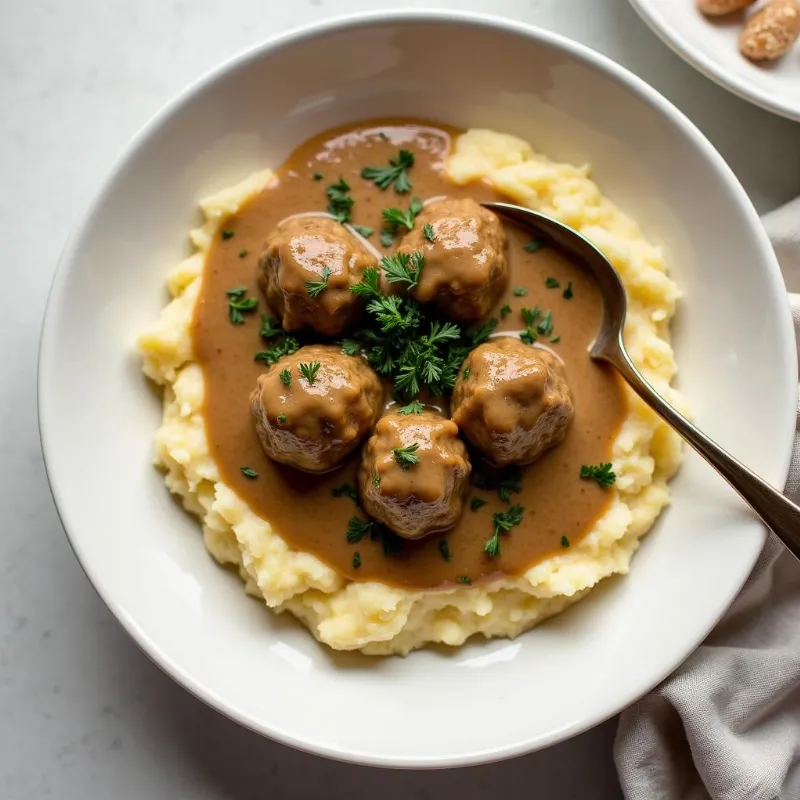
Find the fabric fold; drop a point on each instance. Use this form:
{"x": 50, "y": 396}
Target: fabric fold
{"x": 726, "y": 724}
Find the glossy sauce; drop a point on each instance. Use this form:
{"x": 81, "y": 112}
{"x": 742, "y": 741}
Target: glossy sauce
{"x": 300, "y": 506}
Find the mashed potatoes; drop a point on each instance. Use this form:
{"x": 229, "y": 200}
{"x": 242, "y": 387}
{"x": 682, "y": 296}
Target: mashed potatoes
{"x": 380, "y": 619}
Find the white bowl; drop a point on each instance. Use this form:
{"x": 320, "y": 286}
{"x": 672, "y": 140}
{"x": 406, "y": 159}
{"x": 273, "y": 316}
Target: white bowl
{"x": 711, "y": 45}
{"x": 145, "y": 556}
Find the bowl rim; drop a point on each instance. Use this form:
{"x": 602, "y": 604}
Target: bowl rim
{"x": 711, "y": 68}
{"x": 48, "y": 350}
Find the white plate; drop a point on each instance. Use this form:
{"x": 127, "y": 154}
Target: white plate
{"x": 146, "y": 557}
{"x": 712, "y": 46}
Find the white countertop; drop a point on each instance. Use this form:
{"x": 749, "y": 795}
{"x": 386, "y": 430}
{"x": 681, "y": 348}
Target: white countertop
{"x": 83, "y": 714}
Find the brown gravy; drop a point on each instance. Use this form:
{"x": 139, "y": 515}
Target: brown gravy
{"x": 300, "y": 506}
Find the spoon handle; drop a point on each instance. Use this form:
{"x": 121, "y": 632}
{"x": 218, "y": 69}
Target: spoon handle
{"x": 776, "y": 512}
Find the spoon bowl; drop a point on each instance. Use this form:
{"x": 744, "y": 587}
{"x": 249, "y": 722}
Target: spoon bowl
{"x": 780, "y": 515}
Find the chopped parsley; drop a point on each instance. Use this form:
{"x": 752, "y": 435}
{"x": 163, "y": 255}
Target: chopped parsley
{"x": 534, "y": 245}
{"x": 243, "y": 252}
{"x": 568, "y": 291}
{"x": 376, "y": 480}
{"x": 505, "y": 311}
{"x": 383, "y": 136}
{"x": 309, "y": 371}
{"x": 386, "y": 237}
{"x": 555, "y": 339}
{"x": 520, "y": 291}
{"x": 552, "y": 283}
{"x": 545, "y": 327}
{"x": 405, "y": 341}
{"x": 357, "y": 529}
{"x": 239, "y": 304}
{"x": 340, "y": 204}
{"x": 363, "y": 230}
{"x": 391, "y": 543}
{"x": 503, "y": 522}
{"x": 428, "y": 232}
{"x": 317, "y": 176}
{"x": 476, "y": 503}
{"x": 270, "y": 328}
{"x": 414, "y": 407}
{"x": 466, "y": 373}
{"x": 350, "y": 347}
{"x": 277, "y": 351}
{"x": 480, "y": 334}
{"x": 286, "y": 377}
{"x": 282, "y": 418}
{"x": 249, "y": 472}
{"x": 463, "y": 579}
{"x": 406, "y": 457}
{"x": 396, "y": 173}
{"x": 226, "y": 234}
{"x": 346, "y": 490}
{"x": 395, "y": 217}
{"x": 564, "y": 542}
{"x": 602, "y": 474}
{"x": 316, "y": 288}
{"x": 368, "y": 285}
{"x": 444, "y": 549}
{"x": 529, "y": 317}
{"x": 403, "y": 268}
{"x": 505, "y": 481}
{"x": 356, "y": 560}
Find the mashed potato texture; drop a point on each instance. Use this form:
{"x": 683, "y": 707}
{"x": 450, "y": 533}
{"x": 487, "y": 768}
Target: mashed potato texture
{"x": 379, "y": 619}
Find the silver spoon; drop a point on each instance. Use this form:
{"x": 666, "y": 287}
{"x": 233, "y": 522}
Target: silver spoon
{"x": 776, "y": 512}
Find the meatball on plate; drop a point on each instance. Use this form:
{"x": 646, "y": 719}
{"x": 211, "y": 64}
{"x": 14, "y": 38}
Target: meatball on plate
{"x": 315, "y": 406}
{"x": 465, "y": 261}
{"x": 414, "y": 474}
{"x": 515, "y": 402}
{"x": 306, "y": 271}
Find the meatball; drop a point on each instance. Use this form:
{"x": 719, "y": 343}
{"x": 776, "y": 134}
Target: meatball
{"x": 465, "y": 268}
{"x": 313, "y": 407}
{"x": 414, "y": 473}
{"x": 306, "y": 271}
{"x": 514, "y": 402}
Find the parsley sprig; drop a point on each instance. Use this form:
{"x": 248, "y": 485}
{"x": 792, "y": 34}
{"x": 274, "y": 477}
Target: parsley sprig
{"x": 503, "y": 522}
{"x": 403, "y": 268}
{"x": 407, "y": 342}
{"x": 505, "y": 481}
{"x": 239, "y": 304}
{"x": 406, "y": 457}
{"x": 309, "y": 371}
{"x": 395, "y": 217}
{"x": 414, "y": 407}
{"x": 346, "y": 490}
{"x": 340, "y": 204}
{"x": 275, "y": 352}
{"x": 602, "y": 474}
{"x": 396, "y": 173}
{"x": 536, "y": 322}
{"x": 358, "y": 528}
{"x": 270, "y": 328}
{"x": 316, "y": 288}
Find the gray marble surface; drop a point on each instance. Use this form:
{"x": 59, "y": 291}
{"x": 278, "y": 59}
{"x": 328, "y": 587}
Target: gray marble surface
{"x": 83, "y": 714}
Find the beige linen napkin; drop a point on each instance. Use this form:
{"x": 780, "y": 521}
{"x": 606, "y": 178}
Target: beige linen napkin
{"x": 726, "y": 723}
